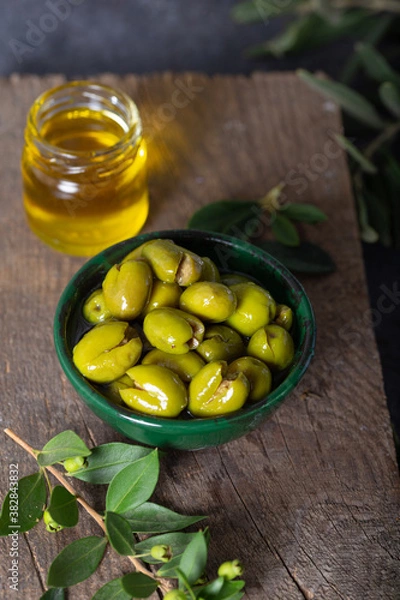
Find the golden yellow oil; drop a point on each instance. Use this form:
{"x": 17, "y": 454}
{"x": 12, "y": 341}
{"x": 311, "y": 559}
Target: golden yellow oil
{"x": 91, "y": 190}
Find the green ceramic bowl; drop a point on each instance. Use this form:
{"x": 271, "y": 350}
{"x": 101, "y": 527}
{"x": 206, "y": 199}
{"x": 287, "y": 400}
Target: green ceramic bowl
{"x": 229, "y": 254}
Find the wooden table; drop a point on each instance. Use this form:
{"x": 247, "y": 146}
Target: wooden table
{"x": 310, "y": 501}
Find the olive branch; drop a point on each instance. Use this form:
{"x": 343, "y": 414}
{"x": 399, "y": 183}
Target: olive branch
{"x": 165, "y": 558}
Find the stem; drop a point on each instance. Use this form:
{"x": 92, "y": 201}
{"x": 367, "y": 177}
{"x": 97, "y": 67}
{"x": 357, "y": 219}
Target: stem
{"x": 95, "y": 515}
{"x": 186, "y": 583}
{"x": 386, "y": 135}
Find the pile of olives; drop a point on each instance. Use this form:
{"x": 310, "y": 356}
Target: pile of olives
{"x": 173, "y": 336}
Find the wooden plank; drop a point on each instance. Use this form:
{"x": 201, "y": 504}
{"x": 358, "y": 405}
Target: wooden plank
{"x": 310, "y": 500}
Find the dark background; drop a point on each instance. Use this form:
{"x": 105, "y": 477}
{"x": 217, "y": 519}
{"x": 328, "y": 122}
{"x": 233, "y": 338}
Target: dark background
{"x": 86, "y": 37}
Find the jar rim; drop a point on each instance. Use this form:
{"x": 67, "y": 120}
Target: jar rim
{"x": 133, "y": 119}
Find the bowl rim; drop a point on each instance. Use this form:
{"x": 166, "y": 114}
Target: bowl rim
{"x": 197, "y": 424}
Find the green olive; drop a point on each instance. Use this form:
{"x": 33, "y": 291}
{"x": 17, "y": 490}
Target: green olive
{"x": 258, "y": 374}
{"x": 136, "y": 252}
{"x": 220, "y": 343}
{"x": 234, "y": 278}
{"x": 273, "y": 345}
{"x": 127, "y": 288}
{"x": 173, "y": 264}
{"x": 163, "y": 295}
{"x": 213, "y": 392}
{"x": 208, "y": 300}
{"x": 255, "y": 308}
{"x": 107, "y": 350}
{"x": 210, "y": 271}
{"x": 95, "y": 309}
{"x": 184, "y": 365}
{"x": 155, "y": 390}
{"x": 284, "y": 316}
{"x": 114, "y": 388}
{"x": 173, "y": 330}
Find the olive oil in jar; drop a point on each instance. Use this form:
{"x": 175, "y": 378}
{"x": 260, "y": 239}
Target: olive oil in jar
{"x": 84, "y": 168}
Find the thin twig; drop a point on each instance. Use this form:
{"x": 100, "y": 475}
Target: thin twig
{"x": 94, "y": 514}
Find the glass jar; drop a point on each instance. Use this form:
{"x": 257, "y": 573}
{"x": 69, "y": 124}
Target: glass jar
{"x": 84, "y": 168}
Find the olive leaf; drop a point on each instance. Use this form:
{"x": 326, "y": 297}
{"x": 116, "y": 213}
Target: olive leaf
{"x": 66, "y": 444}
{"x": 231, "y": 590}
{"x": 284, "y": 230}
{"x": 312, "y": 31}
{"x": 194, "y": 558}
{"x": 352, "y": 102}
{"x": 54, "y": 594}
{"x": 76, "y": 562}
{"x": 391, "y": 171}
{"x": 261, "y": 10}
{"x": 154, "y": 518}
{"x": 226, "y": 216}
{"x": 378, "y": 206}
{"x": 23, "y": 505}
{"x": 139, "y": 585}
{"x": 119, "y": 534}
{"x": 374, "y": 35}
{"x": 305, "y": 258}
{"x": 178, "y": 542}
{"x": 63, "y": 507}
{"x": 376, "y": 66}
{"x": 113, "y": 590}
{"x": 390, "y": 97}
{"x": 107, "y": 460}
{"x": 368, "y": 233}
{"x": 306, "y": 213}
{"x": 133, "y": 485}
{"x": 366, "y": 165}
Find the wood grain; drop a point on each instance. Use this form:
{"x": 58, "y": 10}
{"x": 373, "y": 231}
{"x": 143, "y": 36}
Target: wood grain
{"x": 310, "y": 501}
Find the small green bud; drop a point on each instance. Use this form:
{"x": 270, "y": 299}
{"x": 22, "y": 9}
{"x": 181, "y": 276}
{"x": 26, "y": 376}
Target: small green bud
{"x": 74, "y": 464}
{"x": 175, "y": 595}
{"x": 161, "y": 552}
{"x": 51, "y": 525}
{"x": 230, "y": 569}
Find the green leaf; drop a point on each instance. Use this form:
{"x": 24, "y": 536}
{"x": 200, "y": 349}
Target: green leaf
{"x": 63, "y": 507}
{"x": 376, "y": 66}
{"x": 120, "y": 534}
{"x": 379, "y": 213}
{"x": 306, "y": 213}
{"x": 139, "y": 585}
{"x": 227, "y": 216}
{"x": 23, "y": 505}
{"x": 178, "y": 542}
{"x": 284, "y": 230}
{"x": 312, "y": 31}
{"x": 229, "y": 591}
{"x": 373, "y": 36}
{"x": 390, "y": 97}
{"x": 367, "y": 233}
{"x": 261, "y": 10}
{"x": 194, "y": 558}
{"x": 366, "y": 165}
{"x": 169, "y": 569}
{"x": 133, "y": 485}
{"x": 76, "y": 562}
{"x": 107, "y": 460}
{"x": 306, "y": 258}
{"x": 153, "y": 518}
{"x": 352, "y": 102}
{"x": 209, "y": 590}
{"x": 112, "y": 590}
{"x": 64, "y": 445}
{"x": 54, "y": 594}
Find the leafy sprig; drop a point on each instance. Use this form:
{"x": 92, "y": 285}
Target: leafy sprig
{"x": 174, "y": 558}
{"x": 250, "y": 220}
